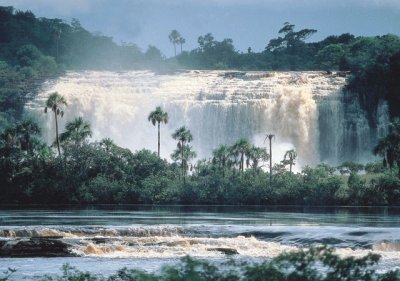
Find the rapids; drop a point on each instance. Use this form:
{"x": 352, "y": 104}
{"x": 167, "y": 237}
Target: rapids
{"x": 106, "y": 239}
{"x": 308, "y": 111}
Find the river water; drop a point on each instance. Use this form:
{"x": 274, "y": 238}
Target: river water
{"x": 107, "y": 238}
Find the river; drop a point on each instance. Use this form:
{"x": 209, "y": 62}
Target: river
{"x": 107, "y": 238}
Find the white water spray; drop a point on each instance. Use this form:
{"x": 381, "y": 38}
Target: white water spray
{"x": 218, "y": 107}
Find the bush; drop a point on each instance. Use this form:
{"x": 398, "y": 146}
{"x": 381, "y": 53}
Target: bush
{"x": 316, "y": 264}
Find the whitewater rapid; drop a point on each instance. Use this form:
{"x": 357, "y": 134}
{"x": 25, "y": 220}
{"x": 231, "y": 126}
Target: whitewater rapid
{"x": 146, "y": 237}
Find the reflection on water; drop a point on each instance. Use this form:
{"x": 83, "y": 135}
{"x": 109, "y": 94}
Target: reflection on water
{"x": 149, "y": 236}
{"x": 139, "y": 214}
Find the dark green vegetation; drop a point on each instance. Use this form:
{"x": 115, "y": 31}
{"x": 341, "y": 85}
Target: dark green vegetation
{"x": 33, "y": 49}
{"x": 86, "y": 172}
{"x": 317, "y": 264}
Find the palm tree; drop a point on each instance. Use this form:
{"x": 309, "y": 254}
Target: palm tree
{"x": 184, "y": 155}
{"x": 289, "y": 158}
{"x": 26, "y": 129}
{"x": 181, "y": 41}
{"x": 389, "y": 146}
{"x": 107, "y": 144}
{"x": 183, "y": 136}
{"x": 255, "y": 155}
{"x": 221, "y": 157}
{"x": 9, "y": 138}
{"x": 240, "y": 148}
{"x": 174, "y": 38}
{"x": 77, "y": 131}
{"x": 41, "y": 151}
{"x": 158, "y": 116}
{"x": 56, "y": 102}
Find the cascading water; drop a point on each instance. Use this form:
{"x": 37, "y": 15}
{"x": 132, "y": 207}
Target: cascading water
{"x": 305, "y": 111}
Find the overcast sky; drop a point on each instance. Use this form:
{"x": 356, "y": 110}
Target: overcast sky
{"x": 250, "y": 23}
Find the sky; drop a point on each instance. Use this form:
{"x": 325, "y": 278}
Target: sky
{"x": 250, "y": 23}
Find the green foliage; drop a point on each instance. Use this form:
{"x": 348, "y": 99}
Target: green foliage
{"x": 77, "y": 132}
{"x": 315, "y": 264}
{"x": 330, "y": 57}
{"x": 349, "y": 167}
{"x": 104, "y": 173}
{"x": 389, "y": 146}
{"x": 375, "y": 167}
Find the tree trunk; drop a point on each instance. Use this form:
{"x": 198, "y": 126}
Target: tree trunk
{"x": 242, "y": 162}
{"x": 270, "y": 161}
{"x": 398, "y": 167}
{"x": 57, "y": 60}
{"x": 58, "y": 142}
{"x": 183, "y": 163}
{"x": 158, "y": 139}
{"x": 175, "y": 49}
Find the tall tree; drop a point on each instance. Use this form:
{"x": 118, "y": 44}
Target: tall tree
{"x": 291, "y": 39}
{"x": 56, "y": 103}
{"x": 77, "y": 131}
{"x": 240, "y": 148}
{"x": 255, "y": 156}
{"x": 9, "y": 141}
{"x": 389, "y": 146}
{"x": 221, "y": 157}
{"x": 184, "y": 155}
{"x": 26, "y": 129}
{"x": 107, "y": 144}
{"x": 174, "y": 38}
{"x": 181, "y": 41}
{"x": 289, "y": 158}
{"x": 270, "y": 137}
{"x": 158, "y": 116}
{"x": 183, "y": 136}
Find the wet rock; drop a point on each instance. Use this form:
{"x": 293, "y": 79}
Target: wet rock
{"x": 264, "y": 234}
{"x": 99, "y": 240}
{"x": 226, "y": 251}
{"x": 234, "y": 74}
{"x": 48, "y": 237}
{"x": 35, "y": 247}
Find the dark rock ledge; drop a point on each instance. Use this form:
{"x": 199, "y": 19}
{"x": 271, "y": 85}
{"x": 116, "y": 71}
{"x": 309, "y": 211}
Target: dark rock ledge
{"x": 35, "y": 247}
{"x": 226, "y": 251}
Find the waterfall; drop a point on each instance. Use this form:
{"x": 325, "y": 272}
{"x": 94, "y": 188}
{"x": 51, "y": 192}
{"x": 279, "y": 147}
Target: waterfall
{"x": 305, "y": 110}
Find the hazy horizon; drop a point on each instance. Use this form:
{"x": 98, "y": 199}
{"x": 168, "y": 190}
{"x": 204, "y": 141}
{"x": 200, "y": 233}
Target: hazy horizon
{"x": 250, "y": 23}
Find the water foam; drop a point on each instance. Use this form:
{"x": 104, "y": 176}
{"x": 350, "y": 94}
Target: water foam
{"x": 217, "y": 108}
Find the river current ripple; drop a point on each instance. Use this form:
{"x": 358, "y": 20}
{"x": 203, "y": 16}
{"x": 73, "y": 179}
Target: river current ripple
{"x": 107, "y": 238}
